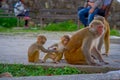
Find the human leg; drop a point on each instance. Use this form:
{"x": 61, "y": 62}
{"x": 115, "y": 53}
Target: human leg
{"x": 91, "y": 16}
{"x": 101, "y": 12}
{"x": 26, "y": 18}
{"x": 82, "y": 15}
{"x": 26, "y": 23}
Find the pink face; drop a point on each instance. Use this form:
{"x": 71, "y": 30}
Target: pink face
{"x": 100, "y": 29}
{"x": 65, "y": 41}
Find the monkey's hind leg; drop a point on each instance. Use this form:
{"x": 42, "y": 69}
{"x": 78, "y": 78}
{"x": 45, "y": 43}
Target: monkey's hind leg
{"x": 31, "y": 58}
{"x": 49, "y": 55}
{"x": 58, "y": 57}
{"x": 36, "y": 57}
{"x": 107, "y": 43}
{"x": 46, "y": 57}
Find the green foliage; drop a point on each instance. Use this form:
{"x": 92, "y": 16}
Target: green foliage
{"x": 115, "y": 32}
{"x": 61, "y": 26}
{"x": 18, "y": 30}
{"x": 18, "y": 70}
{"x": 1, "y": 10}
{"x": 8, "y": 22}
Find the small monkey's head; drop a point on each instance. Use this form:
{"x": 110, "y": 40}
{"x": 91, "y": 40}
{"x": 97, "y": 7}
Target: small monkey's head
{"x": 41, "y": 39}
{"x": 97, "y": 27}
{"x": 101, "y": 18}
{"x": 65, "y": 39}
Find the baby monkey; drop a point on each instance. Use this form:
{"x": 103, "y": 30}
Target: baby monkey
{"x": 33, "y": 50}
{"x": 60, "y": 47}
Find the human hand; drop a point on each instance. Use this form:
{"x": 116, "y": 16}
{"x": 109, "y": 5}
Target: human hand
{"x": 91, "y": 4}
{"x": 91, "y": 11}
{"x": 25, "y": 10}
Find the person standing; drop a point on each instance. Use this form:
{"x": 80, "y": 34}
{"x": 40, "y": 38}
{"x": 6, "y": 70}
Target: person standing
{"x": 19, "y": 10}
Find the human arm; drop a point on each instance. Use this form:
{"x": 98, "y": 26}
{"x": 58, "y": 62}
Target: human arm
{"x": 97, "y": 3}
{"x": 106, "y": 4}
{"x": 86, "y": 3}
{"x": 94, "y": 5}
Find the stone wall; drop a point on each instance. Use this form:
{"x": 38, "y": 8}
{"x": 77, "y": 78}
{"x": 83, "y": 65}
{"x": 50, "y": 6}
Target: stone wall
{"x": 114, "y": 17}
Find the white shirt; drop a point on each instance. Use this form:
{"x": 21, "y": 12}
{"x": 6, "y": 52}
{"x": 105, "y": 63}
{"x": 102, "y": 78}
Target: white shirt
{"x": 18, "y": 8}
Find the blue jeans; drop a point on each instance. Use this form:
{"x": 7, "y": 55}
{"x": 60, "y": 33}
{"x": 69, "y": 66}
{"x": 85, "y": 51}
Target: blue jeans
{"x": 83, "y": 13}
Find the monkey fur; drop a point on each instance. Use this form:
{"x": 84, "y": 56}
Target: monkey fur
{"x": 80, "y": 47}
{"x": 106, "y": 36}
{"x": 33, "y": 50}
{"x": 60, "y": 47}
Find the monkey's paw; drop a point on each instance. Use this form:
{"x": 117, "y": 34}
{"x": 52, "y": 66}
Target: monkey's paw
{"x": 104, "y": 63}
{"x": 105, "y": 54}
{"x": 95, "y": 64}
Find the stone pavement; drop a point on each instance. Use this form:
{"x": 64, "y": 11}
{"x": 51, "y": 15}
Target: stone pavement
{"x": 13, "y": 49}
{"x": 107, "y": 76}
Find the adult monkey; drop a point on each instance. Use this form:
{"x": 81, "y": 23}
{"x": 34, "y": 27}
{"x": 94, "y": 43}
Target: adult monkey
{"x": 83, "y": 45}
{"x": 106, "y": 36}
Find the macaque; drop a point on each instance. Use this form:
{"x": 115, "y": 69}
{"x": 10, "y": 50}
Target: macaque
{"x": 106, "y": 36}
{"x": 33, "y": 50}
{"x": 60, "y": 47}
{"x": 83, "y": 45}
{"x": 6, "y": 74}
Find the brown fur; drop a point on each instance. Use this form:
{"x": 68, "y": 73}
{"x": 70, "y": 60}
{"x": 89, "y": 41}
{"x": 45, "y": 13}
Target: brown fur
{"x": 33, "y": 50}
{"x": 106, "y": 35}
{"x": 60, "y": 47}
{"x": 81, "y": 45}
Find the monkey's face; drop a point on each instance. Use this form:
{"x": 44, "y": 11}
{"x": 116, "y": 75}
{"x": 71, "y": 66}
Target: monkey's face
{"x": 43, "y": 41}
{"x": 100, "y": 29}
{"x": 65, "y": 41}
{"x": 97, "y": 27}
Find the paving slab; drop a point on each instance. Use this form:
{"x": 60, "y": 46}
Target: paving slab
{"x": 13, "y": 50}
{"x": 107, "y": 76}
